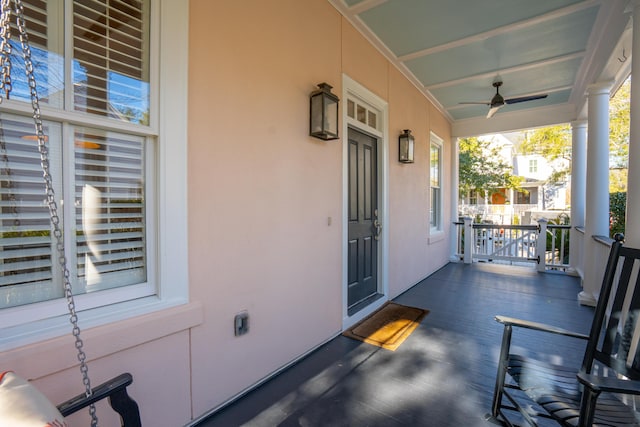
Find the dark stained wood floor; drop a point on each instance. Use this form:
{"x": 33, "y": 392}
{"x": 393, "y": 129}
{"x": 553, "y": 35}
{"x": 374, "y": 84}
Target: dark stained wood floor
{"x": 443, "y": 375}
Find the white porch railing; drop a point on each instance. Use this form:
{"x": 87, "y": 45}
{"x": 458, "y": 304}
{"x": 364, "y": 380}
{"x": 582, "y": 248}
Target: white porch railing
{"x": 514, "y": 244}
{"x": 577, "y": 251}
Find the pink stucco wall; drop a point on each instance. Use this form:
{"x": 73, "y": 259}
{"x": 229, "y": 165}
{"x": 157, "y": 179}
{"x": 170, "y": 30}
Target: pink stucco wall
{"x": 260, "y": 195}
{"x": 261, "y": 190}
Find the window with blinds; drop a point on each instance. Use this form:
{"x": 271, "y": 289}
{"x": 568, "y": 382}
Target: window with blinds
{"x": 435, "y": 214}
{"x": 104, "y": 171}
{"x": 110, "y": 69}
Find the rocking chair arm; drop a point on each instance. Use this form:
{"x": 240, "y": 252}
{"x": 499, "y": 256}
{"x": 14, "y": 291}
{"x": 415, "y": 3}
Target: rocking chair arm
{"x": 511, "y": 321}
{"x": 114, "y": 389}
{"x": 609, "y": 384}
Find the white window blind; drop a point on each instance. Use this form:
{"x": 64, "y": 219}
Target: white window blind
{"x": 109, "y": 209}
{"x": 40, "y": 18}
{"x": 26, "y": 264}
{"x": 110, "y": 49}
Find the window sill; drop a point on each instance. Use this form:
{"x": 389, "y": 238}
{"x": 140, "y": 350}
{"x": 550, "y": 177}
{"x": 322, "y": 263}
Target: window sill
{"x": 101, "y": 341}
{"x": 436, "y": 236}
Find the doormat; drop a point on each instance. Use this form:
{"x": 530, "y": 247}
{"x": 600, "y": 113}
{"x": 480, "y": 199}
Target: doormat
{"x": 389, "y": 326}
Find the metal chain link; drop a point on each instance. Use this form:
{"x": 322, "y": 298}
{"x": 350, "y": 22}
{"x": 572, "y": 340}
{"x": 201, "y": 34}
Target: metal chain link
{"x": 5, "y": 86}
{"x": 44, "y": 162}
{"x": 5, "y": 48}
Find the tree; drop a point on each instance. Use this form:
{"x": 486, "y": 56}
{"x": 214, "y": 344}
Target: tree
{"x": 555, "y": 142}
{"x": 483, "y": 169}
{"x": 617, "y": 207}
{"x": 619, "y": 117}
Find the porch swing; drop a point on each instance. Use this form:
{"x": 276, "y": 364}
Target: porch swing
{"x": 19, "y": 401}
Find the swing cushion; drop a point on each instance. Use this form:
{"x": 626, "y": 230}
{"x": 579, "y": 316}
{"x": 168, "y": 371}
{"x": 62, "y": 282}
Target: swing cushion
{"x": 22, "y": 405}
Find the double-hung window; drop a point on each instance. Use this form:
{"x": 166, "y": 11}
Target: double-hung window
{"x": 435, "y": 184}
{"x": 97, "y": 79}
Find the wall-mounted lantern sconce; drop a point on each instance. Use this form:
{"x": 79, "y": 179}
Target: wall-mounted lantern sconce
{"x": 324, "y": 113}
{"x": 406, "y": 143}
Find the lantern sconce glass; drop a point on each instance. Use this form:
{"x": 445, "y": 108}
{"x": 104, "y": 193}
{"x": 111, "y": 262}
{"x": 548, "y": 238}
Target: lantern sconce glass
{"x": 323, "y": 121}
{"x": 406, "y": 144}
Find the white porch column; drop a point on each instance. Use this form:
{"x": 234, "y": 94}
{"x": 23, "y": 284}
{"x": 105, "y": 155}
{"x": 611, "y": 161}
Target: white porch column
{"x": 455, "y": 168}
{"x": 578, "y": 184}
{"x": 597, "y": 194}
{"x": 632, "y": 220}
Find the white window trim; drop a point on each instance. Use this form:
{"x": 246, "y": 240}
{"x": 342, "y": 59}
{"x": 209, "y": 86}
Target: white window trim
{"x": 436, "y": 233}
{"x": 169, "y": 122}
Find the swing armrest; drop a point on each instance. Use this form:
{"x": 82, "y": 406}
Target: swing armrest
{"x": 116, "y": 390}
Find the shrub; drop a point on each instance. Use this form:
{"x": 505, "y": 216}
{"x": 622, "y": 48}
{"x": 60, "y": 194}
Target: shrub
{"x": 559, "y": 237}
{"x": 617, "y": 208}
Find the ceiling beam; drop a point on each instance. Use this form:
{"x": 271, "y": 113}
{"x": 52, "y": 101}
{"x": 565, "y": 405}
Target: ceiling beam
{"x": 568, "y": 10}
{"x": 504, "y": 71}
{"x": 515, "y": 120}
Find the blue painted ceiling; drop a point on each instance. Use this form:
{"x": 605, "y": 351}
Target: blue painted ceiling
{"x": 453, "y": 50}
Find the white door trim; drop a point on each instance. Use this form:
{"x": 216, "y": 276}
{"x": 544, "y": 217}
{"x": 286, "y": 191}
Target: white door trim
{"x": 352, "y": 90}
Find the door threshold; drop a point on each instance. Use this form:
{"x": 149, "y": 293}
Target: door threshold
{"x": 364, "y": 303}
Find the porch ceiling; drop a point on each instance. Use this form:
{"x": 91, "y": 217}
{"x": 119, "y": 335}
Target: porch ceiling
{"x": 453, "y": 50}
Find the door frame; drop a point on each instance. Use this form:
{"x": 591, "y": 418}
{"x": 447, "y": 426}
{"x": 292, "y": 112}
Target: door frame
{"x": 352, "y": 90}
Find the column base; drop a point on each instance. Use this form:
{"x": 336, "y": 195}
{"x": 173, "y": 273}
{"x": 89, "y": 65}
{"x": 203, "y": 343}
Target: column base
{"x": 586, "y": 299}
{"x": 572, "y": 272}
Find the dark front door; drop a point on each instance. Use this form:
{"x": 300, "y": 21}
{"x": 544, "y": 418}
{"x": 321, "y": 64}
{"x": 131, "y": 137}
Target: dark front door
{"x": 364, "y": 228}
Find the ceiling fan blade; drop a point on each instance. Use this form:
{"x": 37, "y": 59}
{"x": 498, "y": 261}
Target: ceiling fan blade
{"x": 493, "y": 110}
{"x": 525, "y": 98}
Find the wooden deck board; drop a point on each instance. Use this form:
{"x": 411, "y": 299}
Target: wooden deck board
{"x": 443, "y": 375}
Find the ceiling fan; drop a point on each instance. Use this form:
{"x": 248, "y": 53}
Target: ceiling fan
{"x": 498, "y": 101}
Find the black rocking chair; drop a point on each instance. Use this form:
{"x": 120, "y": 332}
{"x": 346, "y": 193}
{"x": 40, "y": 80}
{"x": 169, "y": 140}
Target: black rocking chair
{"x": 600, "y": 392}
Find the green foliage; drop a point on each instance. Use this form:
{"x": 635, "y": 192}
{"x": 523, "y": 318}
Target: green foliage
{"x": 618, "y": 180}
{"x": 551, "y": 142}
{"x": 18, "y": 234}
{"x": 559, "y": 237}
{"x": 619, "y": 116}
{"x": 617, "y": 208}
{"x": 483, "y": 169}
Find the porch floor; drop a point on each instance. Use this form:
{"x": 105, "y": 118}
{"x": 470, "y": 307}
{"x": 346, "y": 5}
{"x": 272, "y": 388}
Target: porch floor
{"x": 442, "y": 375}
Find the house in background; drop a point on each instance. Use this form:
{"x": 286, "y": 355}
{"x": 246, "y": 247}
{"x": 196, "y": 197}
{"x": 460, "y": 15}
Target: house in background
{"x": 537, "y": 197}
{"x": 205, "y": 197}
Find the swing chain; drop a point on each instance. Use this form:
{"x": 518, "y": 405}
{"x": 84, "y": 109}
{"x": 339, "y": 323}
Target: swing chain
{"x": 5, "y": 48}
{"x": 5, "y": 84}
